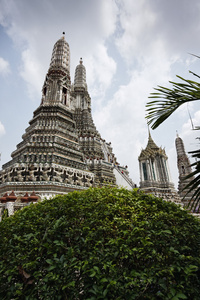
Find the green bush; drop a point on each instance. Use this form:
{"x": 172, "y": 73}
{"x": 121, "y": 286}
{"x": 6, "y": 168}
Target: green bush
{"x": 102, "y": 243}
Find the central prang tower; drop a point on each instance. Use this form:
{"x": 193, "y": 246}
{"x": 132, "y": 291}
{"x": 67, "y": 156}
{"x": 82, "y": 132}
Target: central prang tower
{"x": 61, "y": 150}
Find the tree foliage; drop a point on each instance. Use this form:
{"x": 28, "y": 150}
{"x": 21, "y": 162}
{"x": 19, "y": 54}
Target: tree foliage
{"x": 102, "y": 243}
{"x": 165, "y": 103}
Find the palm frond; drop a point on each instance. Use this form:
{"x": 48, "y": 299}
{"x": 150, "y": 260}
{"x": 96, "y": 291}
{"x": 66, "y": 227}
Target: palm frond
{"x": 164, "y": 101}
{"x": 168, "y": 100}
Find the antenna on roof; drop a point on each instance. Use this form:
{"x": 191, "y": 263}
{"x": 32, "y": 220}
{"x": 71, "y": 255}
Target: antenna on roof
{"x": 190, "y": 117}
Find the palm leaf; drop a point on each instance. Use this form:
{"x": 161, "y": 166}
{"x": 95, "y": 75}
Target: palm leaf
{"x": 168, "y": 100}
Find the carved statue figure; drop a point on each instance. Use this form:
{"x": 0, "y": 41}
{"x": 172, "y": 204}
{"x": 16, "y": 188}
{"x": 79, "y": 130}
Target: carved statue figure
{"x": 79, "y": 181}
{"x": 9, "y": 179}
{"x": 19, "y": 176}
{"x": 44, "y": 175}
{"x": 69, "y": 179}
{"x": 58, "y": 177}
{"x": 89, "y": 179}
{"x": 31, "y": 173}
{"x": 2, "y": 178}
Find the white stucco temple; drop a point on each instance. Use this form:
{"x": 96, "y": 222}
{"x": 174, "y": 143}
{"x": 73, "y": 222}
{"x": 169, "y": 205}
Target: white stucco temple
{"x": 61, "y": 149}
{"x": 155, "y": 175}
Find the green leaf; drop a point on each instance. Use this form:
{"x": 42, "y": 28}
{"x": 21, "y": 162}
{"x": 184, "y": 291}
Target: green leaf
{"x": 49, "y": 261}
{"x": 181, "y": 296}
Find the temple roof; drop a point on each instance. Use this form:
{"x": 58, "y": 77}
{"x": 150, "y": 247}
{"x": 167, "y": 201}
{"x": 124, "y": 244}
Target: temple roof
{"x": 61, "y": 54}
{"x": 151, "y": 145}
{"x": 151, "y": 149}
{"x": 80, "y": 76}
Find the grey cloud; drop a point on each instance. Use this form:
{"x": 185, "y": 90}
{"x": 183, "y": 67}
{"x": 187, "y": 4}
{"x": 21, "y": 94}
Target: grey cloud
{"x": 4, "y": 66}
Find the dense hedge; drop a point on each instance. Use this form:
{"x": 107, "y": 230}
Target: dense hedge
{"x": 103, "y": 243}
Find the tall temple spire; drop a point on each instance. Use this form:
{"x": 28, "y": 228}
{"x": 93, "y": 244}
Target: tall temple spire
{"x": 49, "y": 160}
{"x": 57, "y": 85}
{"x": 80, "y": 76}
{"x": 90, "y": 141}
{"x": 184, "y": 169}
{"x": 60, "y": 55}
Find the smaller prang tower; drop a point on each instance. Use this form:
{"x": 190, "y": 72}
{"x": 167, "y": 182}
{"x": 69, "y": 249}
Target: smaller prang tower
{"x": 97, "y": 152}
{"x": 184, "y": 169}
{"x": 154, "y": 172}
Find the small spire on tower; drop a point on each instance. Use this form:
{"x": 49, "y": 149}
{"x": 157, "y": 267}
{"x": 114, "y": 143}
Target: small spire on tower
{"x": 150, "y": 137}
{"x": 81, "y": 60}
{"x": 149, "y": 131}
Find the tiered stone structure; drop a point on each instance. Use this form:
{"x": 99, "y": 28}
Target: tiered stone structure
{"x": 154, "y": 172}
{"x": 61, "y": 150}
{"x": 98, "y": 153}
{"x": 184, "y": 169}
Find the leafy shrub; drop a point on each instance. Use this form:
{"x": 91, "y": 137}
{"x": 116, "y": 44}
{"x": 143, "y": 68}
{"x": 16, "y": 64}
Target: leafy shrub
{"x": 102, "y": 243}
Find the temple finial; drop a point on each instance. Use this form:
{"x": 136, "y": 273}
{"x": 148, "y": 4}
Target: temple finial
{"x": 149, "y": 131}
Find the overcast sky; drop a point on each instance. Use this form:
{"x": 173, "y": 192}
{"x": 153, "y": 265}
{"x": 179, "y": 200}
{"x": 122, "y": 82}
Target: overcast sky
{"x": 128, "y": 48}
